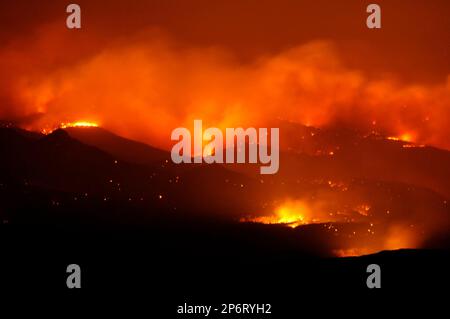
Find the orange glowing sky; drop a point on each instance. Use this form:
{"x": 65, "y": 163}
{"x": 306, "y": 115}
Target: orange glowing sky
{"x": 142, "y": 68}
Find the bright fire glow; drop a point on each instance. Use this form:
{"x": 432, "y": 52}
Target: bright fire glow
{"x": 396, "y": 237}
{"x": 79, "y": 124}
{"x": 406, "y": 137}
{"x": 70, "y": 124}
{"x": 292, "y": 214}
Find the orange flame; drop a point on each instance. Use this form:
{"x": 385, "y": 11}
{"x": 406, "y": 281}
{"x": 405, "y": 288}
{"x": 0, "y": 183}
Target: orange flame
{"x": 405, "y": 137}
{"x": 70, "y": 124}
{"x": 79, "y": 124}
{"x": 292, "y": 213}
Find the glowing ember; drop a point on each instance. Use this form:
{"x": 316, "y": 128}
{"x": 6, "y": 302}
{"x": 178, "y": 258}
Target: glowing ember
{"x": 363, "y": 209}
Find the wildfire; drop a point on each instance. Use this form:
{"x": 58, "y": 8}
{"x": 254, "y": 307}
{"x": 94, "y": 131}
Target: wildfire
{"x": 78, "y": 124}
{"x": 393, "y": 238}
{"x": 69, "y": 124}
{"x": 292, "y": 214}
{"x": 405, "y": 137}
{"x": 399, "y": 236}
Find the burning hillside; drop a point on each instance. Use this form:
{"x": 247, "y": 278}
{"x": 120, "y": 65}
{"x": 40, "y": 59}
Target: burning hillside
{"x": 365, "y": 204}
{"x": 364, "y": 148}
{"x": 160, "y": 88}
{"x": 67, "y": 125}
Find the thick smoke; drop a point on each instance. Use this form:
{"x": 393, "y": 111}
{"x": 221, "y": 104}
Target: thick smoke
{"x": 146, "y": 85}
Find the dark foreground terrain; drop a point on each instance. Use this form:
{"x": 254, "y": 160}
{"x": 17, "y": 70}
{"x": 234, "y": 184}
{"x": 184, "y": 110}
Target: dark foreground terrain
{"x": 157, "y": 268}
{"x": 160, "y": 236}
